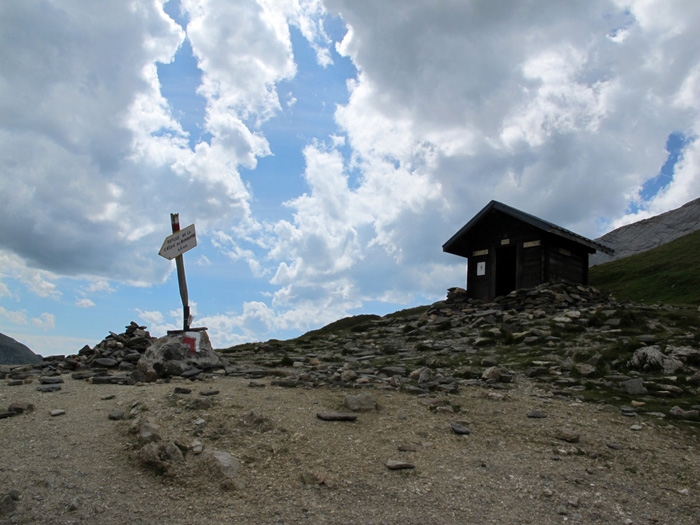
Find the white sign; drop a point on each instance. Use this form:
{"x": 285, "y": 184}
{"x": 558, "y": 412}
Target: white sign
{"x": 481, "y": 268}
{"x": 178, "y": 243}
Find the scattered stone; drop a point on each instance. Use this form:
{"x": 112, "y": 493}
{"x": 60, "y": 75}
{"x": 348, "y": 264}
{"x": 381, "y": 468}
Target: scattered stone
{"x": 223, "y": 463}
{"x": 57, "y": 412}
{"x": 394, "y": 464}
{"x": 210, "y": 392}
{"x": 150, "y": 457}
{"x": 256, "y": 384}
{"x": 628, "y": 412}
{"x": 536, "y": 414}
{"x": 148, "y": 431}
{"x": 182, "y": 390}
{"x": 336, "y": 416}
{"x": 20, "y": 407}
{"x": 48, "y": 388}
{"x": 50, "y": 380}
{"x": 8, "y": 504}
{"x": 570, "y": 436}
{"x": 679, "y": 413}
{"x": 459, "y": 428}
{"x": 633, "y": 387}
{"x": 173, "y": 452}
{"x": 116, "y": 415}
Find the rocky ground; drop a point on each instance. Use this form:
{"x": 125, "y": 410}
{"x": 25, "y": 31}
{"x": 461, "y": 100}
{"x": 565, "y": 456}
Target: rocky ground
{"x": 555, "y": 405}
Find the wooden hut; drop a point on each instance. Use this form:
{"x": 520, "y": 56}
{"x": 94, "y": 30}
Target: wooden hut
{"x": 508, "y": 249}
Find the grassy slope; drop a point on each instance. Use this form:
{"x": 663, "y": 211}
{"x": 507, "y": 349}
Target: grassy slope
{"x": 667, "y": 274}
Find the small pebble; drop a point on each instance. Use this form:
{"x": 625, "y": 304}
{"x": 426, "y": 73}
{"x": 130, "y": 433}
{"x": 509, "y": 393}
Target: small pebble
{"x": 57, "y": 412}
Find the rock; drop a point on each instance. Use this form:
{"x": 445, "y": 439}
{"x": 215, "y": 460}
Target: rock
{"x": 647, "y": 358}
{"x": 57, "y": 412}
{"x": 570, "y": 436}
{"x": 150, "y": 457}
{"x": 8, "y": 504}
{"x": 633, "y": 387}
{"x": 223, "y": 463}
{"x": 690, "y": 415}
{"x": 336, "y": 416}
{"x": 177, "y": 353}
{"x": 148, "y": 431}
{"x": 536, "y": 414}
{"x": 173, "y": 452}
{"x": 492, "y": 373}
{"x": 586, "y": 370}
{"x": 50, "y": 380}
{"x": 106, "y": 362}
{"x": 116, "y": 415}
{"x": 347, "y": 376}
{"x": 20, "y": 407}
{"x": 393, "y": 464}
{"x": 48, "y": 388}
{"x": 361, "y": 403}
{"x": 209, "y": 392}
{"x": 459, "y": 428}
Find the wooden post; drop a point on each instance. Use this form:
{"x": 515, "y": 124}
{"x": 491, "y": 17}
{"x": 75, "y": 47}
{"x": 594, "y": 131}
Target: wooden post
{"x": 182, "y": 282}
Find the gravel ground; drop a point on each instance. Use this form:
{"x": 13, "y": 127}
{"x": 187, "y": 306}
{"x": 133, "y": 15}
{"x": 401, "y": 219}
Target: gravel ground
{"x": 82, "y": 467}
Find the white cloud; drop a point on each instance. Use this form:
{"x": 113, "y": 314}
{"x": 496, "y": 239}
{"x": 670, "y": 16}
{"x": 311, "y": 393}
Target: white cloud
{"x": 46, "y": 321}
{"x": 84, "y": 303}
{"x": 17, "y": 317}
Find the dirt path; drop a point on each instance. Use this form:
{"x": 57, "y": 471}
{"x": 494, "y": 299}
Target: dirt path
{"x": 81, "y": 467}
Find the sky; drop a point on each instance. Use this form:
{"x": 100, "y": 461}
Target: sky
{"x": 324, "y": 149}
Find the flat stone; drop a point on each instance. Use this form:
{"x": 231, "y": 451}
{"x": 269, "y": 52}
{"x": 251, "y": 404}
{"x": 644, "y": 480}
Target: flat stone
{"x": 210, "y": 392}
{"x": 182, "y": 390}
{"x": 48, "y": 388}
{"x": 394, "y": 464}
{"x": 20, "y": 407}
{"x": 50, "y": 380}
{"x": 536, "y": 414}
{"x": 336, "y": 416}
{"x": 633, "y": 387}
{"x": 57, "y": 412}
{"x": 116, "y": 415}
{"x": 459, "y": 428}
{"x": 106, "y": 362}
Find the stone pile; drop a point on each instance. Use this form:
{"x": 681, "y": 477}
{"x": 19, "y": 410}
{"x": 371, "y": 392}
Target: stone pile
{"x": 113, "y": 360}
{"x": 572, "y": 340}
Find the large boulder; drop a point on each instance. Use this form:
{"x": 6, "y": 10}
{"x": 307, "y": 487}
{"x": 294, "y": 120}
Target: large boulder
{"x": 179, "y": 353}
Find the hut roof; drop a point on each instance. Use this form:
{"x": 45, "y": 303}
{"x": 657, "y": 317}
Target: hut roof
{"x": 459, "y": 243}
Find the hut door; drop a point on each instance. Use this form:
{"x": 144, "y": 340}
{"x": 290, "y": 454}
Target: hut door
{"x": 505, "y": 270}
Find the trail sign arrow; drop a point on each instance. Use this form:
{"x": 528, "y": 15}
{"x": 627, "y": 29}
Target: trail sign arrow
{"x": 178, "y": 243}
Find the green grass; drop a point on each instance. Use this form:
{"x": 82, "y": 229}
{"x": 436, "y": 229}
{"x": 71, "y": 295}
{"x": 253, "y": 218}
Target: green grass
{"x": 667, "y": 274}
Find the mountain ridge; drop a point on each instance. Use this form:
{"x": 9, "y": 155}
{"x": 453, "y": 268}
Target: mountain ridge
{"x": 650, "y": 233}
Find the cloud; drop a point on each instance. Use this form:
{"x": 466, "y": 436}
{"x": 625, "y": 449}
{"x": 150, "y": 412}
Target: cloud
{"x": 46, "y": 321}
{"x": 17, "y": 317}
{"x": 538, "y": 111}
{"x": 84, "y": 303}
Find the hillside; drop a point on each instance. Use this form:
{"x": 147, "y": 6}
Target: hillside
{"x": 15, "y": 353}
{"x": 550, "y": 403}
{"x": 649, "y": 233}
{"x": 667, "y": 274}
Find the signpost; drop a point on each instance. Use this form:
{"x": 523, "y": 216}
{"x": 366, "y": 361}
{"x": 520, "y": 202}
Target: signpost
{"x": 173, "y": 248}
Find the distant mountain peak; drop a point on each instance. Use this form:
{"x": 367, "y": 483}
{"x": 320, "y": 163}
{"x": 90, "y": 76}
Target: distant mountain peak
{"x": 13, "y": 352}
{"x": 649, "y": 233}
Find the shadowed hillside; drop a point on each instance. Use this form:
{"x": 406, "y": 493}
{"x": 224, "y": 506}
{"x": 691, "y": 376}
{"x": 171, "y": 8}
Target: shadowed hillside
{"x": 667, "y": 274}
